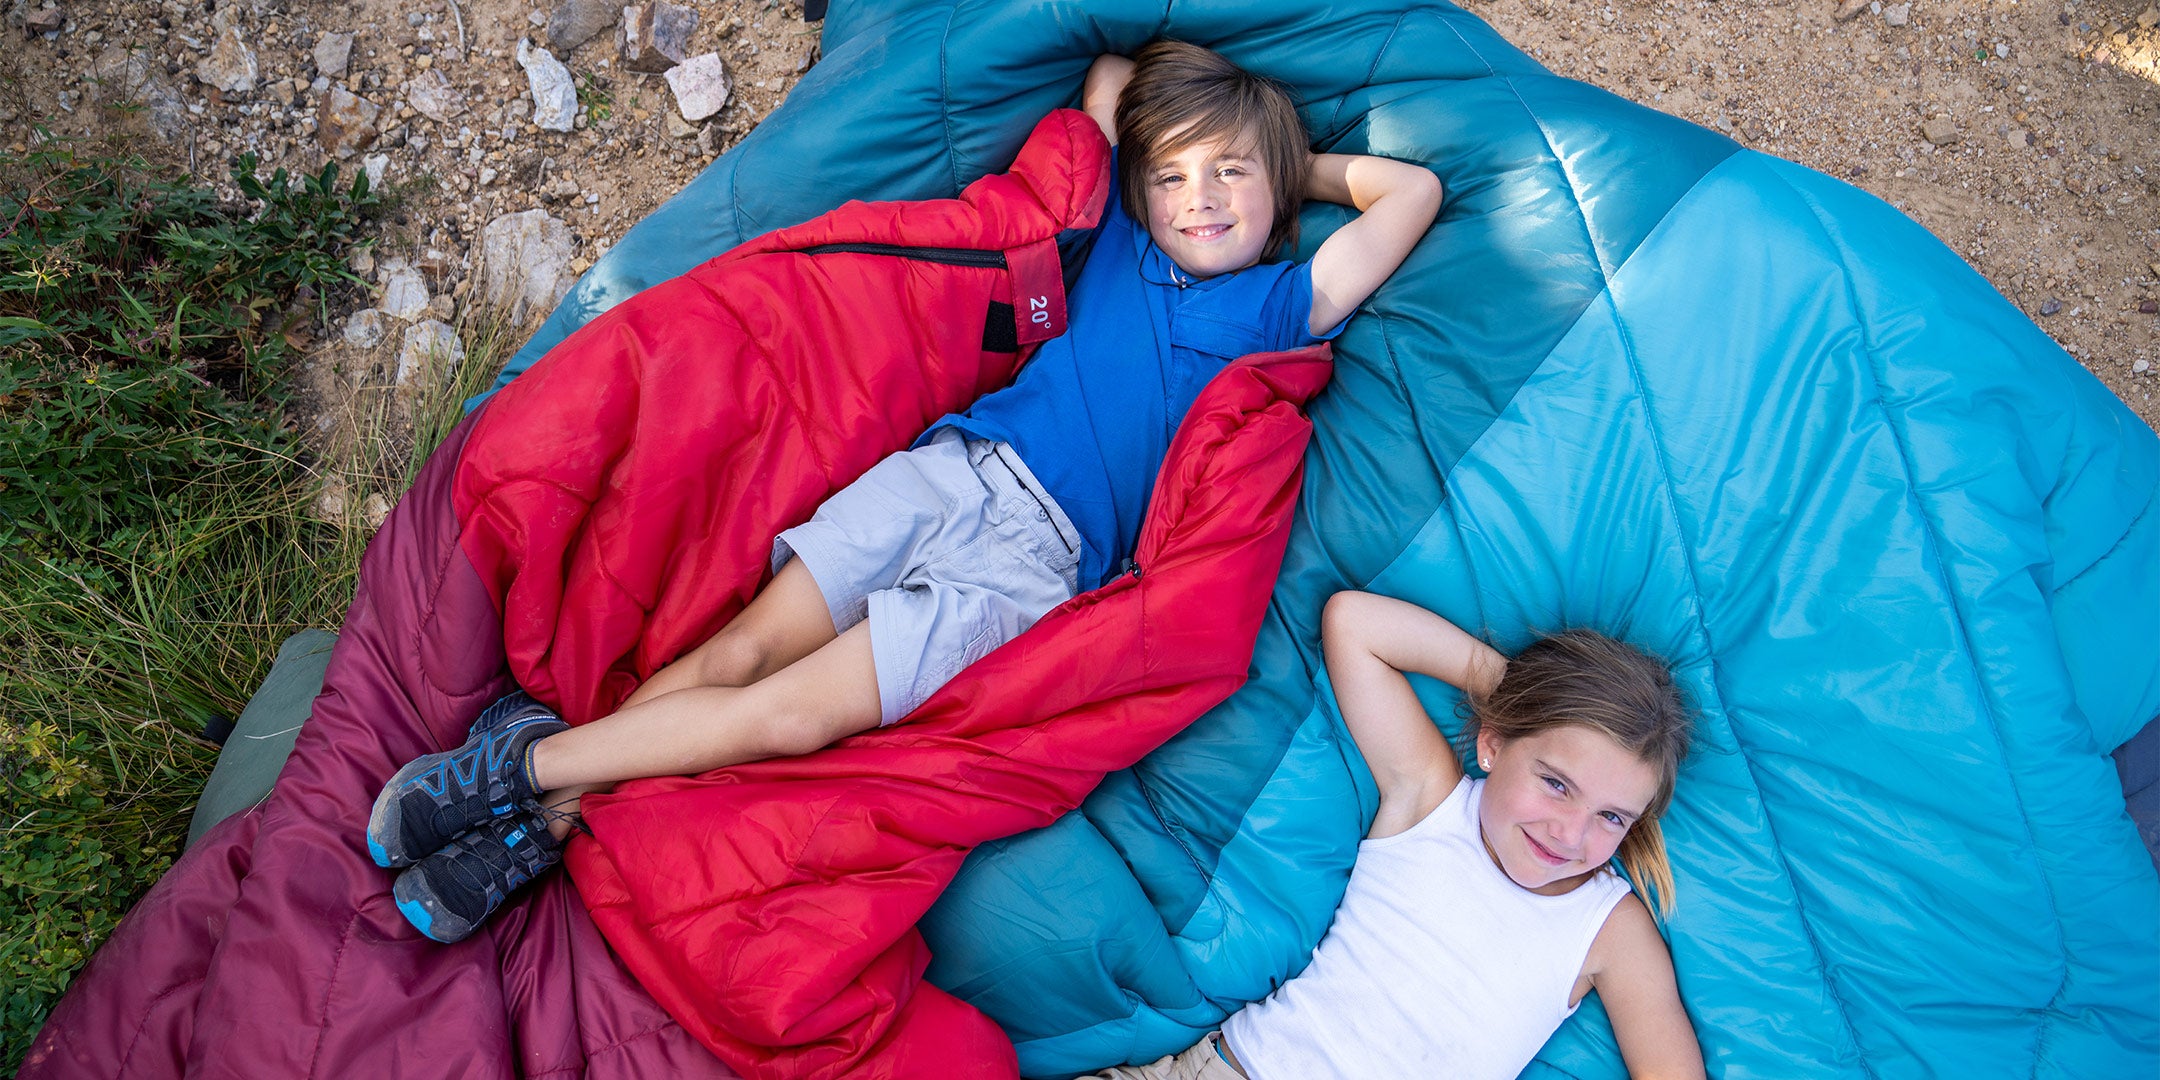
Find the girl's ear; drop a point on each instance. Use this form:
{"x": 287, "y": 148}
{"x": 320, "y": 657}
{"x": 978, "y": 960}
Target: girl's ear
{"x": 1488, "y": 747}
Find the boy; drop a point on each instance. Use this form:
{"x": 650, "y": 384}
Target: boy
{"x": 941, "y": 553}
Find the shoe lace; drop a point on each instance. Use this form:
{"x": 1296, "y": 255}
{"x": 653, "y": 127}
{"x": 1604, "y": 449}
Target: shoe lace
{"x": 554, "y": 812}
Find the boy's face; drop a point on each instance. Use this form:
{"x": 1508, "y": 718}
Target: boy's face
{"x": 1210, "y": 207}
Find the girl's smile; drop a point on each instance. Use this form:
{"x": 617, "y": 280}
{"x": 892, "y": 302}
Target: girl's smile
{"x": 1558, "y": 803}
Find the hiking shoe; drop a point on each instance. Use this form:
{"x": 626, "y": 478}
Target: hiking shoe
{"x": 438, "y": 796}
{"x": 450, "y": 893}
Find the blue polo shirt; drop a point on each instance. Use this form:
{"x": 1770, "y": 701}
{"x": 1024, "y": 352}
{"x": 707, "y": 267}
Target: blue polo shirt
{"x": 1092, "y": 414}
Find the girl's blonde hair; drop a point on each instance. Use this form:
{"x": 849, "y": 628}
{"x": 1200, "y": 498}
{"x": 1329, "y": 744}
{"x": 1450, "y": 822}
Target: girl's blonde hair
{"x": 1584, "y": 678}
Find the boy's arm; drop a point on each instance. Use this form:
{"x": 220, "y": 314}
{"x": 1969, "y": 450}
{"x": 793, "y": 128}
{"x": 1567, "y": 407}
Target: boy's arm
{"x": 1397, "y": 202}
{"x": 1369, "y": 642}
{"x": 1632, "y": 971}
{"x": 1106, "y": 79}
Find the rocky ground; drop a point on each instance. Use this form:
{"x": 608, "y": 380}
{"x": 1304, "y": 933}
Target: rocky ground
{"x": 522, "y": 140}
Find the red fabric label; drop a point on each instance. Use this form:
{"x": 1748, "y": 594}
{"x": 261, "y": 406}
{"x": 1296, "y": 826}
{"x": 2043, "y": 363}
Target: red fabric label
{"x": 1038, "y": 283}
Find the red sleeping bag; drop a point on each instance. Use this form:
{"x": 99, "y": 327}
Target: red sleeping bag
{"x": 611, "y": 509}
{"x": 771, "y": 906}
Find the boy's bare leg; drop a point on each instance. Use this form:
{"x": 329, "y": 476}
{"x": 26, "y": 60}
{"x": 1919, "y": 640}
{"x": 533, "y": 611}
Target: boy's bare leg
{"x": 787, "y": 620}
{"x": 823, "y": 697}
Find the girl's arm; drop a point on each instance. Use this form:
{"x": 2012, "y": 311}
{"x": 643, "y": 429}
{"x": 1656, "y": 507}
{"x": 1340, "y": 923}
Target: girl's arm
{"x": 1632, "y": 971}
{"x": 1397, "y": 202}
{"x": 1106, "y": 79}
{"x": 1369, "y": 642}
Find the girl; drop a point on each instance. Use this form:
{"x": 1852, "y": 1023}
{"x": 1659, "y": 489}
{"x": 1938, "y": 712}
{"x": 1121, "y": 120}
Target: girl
{"x": 1481, "y": 911}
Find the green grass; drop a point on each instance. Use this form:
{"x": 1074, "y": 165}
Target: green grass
{"x": 161, "y": 529}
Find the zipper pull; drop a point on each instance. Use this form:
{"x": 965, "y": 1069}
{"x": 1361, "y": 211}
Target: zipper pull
{"x": 1130, "y": 569}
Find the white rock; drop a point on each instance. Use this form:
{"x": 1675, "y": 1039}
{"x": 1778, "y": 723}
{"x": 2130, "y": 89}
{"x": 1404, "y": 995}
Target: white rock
{"x": 231, "y": 64}
{"x": 2141, "y": 367}
{"x": 375, "y": 165}
{"x": 130, "y": 78}
{"x": 333, "y": 53}
{"x": 428, "y": 346}
{"x": 364, "y": 329}
{"x": 330, "y": 505}
{"x": 524, "y": 262}
{"x": 554, "y": 95}
{"x": 701, "y": 86}
{"x": 375, "y": 510}
{"x": 405, "y": 294}
{"x": 431, "y": 93}
{"x": 1897, "y": 14}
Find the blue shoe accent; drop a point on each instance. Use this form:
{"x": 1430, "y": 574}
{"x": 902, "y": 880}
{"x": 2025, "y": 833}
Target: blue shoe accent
{"x": 436, "y": 797}
{"x": 416, "y": 913}
{"x": 447, "y": 895}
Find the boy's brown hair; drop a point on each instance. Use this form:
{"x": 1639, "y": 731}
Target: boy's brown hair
{"x": 1584, "y": 678}
{"x": 1194, "y": 94}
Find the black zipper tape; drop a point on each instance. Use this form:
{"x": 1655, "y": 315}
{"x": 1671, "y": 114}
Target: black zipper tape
{"x": 946, "y": 255}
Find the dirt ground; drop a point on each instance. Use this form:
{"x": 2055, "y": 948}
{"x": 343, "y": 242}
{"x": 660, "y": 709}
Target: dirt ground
{"x": 2025, "y": 134}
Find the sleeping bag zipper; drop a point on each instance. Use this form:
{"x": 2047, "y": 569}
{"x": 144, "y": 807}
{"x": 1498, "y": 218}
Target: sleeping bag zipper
{"x": 1037, "y": 312}
{"x": 945, "y": 255}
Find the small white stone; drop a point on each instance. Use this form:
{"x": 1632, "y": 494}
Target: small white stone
{"x": 375, "y": 510}
{"x": 2141, "y": 367}
{"x": 375, "y": 165}
{"x": 701, "y": 86}
{"x": 364, "y": 329}
{"x": 333, "y": 53}
{"x": 405, "y": 294}
{"x": 330, "y": 505}
{"x": 428, "y": 344}
{"x": 433, "y": 96}
{"x": 231, "y": 65}
{"x": 554, "y": 94}
{"x": 523, "y": 261}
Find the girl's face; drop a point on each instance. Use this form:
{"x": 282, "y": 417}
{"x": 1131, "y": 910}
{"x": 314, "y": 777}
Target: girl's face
{"x": 1557, "y": 803}
{"x": 1210, "y": 207}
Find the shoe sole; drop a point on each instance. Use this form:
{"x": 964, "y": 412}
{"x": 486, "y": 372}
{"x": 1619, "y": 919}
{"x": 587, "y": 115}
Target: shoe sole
{"x": 384, "y": 821}
{"x": 432, "y": 922}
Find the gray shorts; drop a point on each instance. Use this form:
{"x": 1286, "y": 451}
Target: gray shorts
{"x": 950, "y": 550}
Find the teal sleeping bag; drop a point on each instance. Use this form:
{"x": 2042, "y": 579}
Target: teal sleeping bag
{"x": 1900, "y": 548}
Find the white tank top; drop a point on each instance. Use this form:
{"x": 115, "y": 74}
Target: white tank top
{"x": 1437, "y": 964}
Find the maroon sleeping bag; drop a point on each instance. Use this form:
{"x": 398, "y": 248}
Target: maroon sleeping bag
{"x": 617, "y": 502}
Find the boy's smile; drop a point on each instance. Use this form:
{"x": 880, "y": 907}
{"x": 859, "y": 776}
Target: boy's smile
{"x": 1210, "y": 207}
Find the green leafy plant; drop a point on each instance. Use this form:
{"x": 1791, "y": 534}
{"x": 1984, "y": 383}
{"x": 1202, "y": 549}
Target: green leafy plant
{"x": 159, "y": 533}
{"x": 593, "y": 95}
